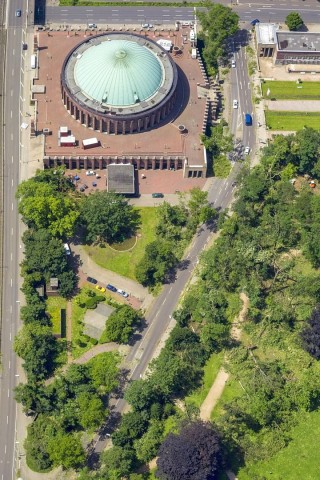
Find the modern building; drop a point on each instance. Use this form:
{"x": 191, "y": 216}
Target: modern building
{"x": 119, "y": 83}
{"x": 287, "y": 48}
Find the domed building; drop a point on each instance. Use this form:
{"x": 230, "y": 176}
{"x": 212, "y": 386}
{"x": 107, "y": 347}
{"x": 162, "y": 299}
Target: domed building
{"x": 119, "y": 83}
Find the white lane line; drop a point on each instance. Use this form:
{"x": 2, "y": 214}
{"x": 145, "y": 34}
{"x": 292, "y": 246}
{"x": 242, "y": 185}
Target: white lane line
{"x": 8, "y": 393}
{"x": 12, "y": 181}
{"x": 7, "y": 419}
{"x": 11, "y": 230}
{"x": 11, "y": 114}
{"x": 12, "y": 159}
{"x": 5, "y": 449}
{"x": 11, "y": 282}
{"x": 12, "y": 206}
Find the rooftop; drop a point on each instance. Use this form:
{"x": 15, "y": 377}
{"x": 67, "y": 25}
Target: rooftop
{"x": 266, "y": 33}
{"x": 95, "y": 320}
{"x": 120, "y": 178}
{"x": 298, "y": 41}
{"x": 114, "y": 72}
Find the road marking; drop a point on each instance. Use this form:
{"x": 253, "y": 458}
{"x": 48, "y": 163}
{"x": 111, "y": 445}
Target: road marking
{"x": 11, "y": 136}
{"x": 11, "y": 230}
{"x": 12, "y": 181}
{"x": 8, "y": 393}
{"x": 11, "y": 256}
{"x": 12, "y": 159}
{"x": 7, "y": 419}
{"x": 11, "y": 282}
{"x": 5, "y": 449}
{"x": 9, "y": 364}
{"x": 12, "y": 73}
{"x": 12, "y": 206}
{"x": 11, "y": 114}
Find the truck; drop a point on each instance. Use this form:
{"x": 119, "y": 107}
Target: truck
{"x": 33, "y": 61}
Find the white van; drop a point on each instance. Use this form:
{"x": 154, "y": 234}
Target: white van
{"x": 33, "y": 61}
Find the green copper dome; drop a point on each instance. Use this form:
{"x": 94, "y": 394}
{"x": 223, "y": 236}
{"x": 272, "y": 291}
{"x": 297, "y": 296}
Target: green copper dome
{"x": 118, "y": 73}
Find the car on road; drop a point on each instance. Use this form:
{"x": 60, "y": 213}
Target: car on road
{"x": 123, "y": 293}
{"x": 18, "y": 13}
{"x": 111, "y": 288}
{"x": 254, "y": 22}
{"x": 233, "y": 63}
{"x": 248, "y": 119}
{"x": 157, "y": 195}
{"x": 100, "y": 289}
{"x": 24, "y": 46}
{"x": 247, "y": 150}
{"x": 92, "y": 280}
{"x": 235, "y": 104}
{"x": 147, "y": 25}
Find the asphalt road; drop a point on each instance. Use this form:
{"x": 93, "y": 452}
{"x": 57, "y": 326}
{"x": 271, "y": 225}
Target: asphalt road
{"x": 271, "y": 11}
{"x": 10, "y": 293}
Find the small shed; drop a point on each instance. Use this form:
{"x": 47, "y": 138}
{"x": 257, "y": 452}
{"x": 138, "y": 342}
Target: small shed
{"x": 120, "y": 178}
{"x": 95, "y": 320}
{"x": 52, "y": 288}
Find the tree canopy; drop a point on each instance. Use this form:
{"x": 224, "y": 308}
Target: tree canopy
{"x": 218, "y": 23}
{"x": 107, "y": 217}
{"x": 194, "y": 454}
{"x": 294, "y": 21}
{"x": 121, "y": 324}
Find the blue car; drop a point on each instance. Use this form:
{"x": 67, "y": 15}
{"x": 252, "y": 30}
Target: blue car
{"x": 255, "y": 21}
{"x": 111, "y": 287}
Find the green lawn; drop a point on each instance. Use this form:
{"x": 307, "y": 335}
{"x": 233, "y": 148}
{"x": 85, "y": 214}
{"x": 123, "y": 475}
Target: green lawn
{"x": 292, "y": 121}
{"x": 210, "y": 369}
{"x": 221, "y": 166}
{"x": 299, "y": 460}
{"x": 54, "y": 307}
{"x": 124, "y": 262}
{"x": 291, "y": 90}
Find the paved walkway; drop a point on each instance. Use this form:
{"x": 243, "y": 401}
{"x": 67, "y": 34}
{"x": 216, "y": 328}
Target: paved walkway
{"x": 97, "y": 349}
{"x": 294, "y": 105}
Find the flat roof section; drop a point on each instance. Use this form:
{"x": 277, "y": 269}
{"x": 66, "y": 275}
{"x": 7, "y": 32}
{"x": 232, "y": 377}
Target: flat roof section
{"x": 120, "y": 178}
{"x": 266, "y": 33}
{"x": 298, "y": 41}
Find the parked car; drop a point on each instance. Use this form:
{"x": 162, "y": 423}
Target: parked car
{"x": 100, "y": 289}
{"x": 123, "y": 293}
{"x": 24, "y": 46}
{"x": 157, "y": 195}
{"x": 18, "y": 13}
{"x": 147, "y": 25}
{"x": 92, "y": 280}
{"x": 255, "y": 21}
{"x": 235, "y": 104}
{"x": 67, "y": 249}
{"x": 111, "y": 288}
{"x": 233, "y": 63}
{"x": 90, "y": 173}
{"x": 247, "y": 150}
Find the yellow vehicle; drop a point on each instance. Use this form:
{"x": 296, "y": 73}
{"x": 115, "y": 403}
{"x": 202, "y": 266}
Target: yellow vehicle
{"x": 101, "y": 289}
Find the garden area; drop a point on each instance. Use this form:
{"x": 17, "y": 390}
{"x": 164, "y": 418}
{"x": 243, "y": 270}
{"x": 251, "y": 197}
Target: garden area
{"x": 281, "y": 90}
{"x": 122, "y": 258}
{"x": 291, "y": 121}
{"x": 56, "y": 308}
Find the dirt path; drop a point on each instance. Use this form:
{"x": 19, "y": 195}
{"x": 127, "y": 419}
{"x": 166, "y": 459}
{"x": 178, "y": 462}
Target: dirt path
{"x": 222, "y": 377}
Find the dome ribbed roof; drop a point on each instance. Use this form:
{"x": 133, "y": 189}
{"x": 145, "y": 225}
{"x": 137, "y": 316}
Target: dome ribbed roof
{"x": 118, "y": 73}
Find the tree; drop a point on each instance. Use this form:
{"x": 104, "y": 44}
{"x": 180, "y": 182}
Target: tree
{"x": 310, "y": 335}
{"x": 103, "y": 371}
{"x": 132, "y": 426}
{"x": 43, "y": 253}
{"x": 91, "y": 410}
{"x": 220, "y": 141}
{"x": 38, "y": 347}
{"x": 159, "y": 258}
{"x": 294, "y": 21}
{"x": 141, "y": 394}
{"x": 121, "y": 324}
{"x": 67, "y": 283}
{"x": 193, "y": 454}
{"x": 41, "y": 206}
{"x": 66, "y": 450}
{"x": 147, "y": 446}
{"x": 36, "y": 443}
{"x": 108, "y": 217}
{"x": 35, "y": 312}
{"x": 200, "y": 211}
{"x": 117, "y": 462}
{"x": 34, "y": 398}
{"x": 218, "y": 23}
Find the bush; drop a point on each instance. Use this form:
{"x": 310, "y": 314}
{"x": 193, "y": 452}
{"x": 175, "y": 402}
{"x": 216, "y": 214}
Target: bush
{"x": 91, "y": 303}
